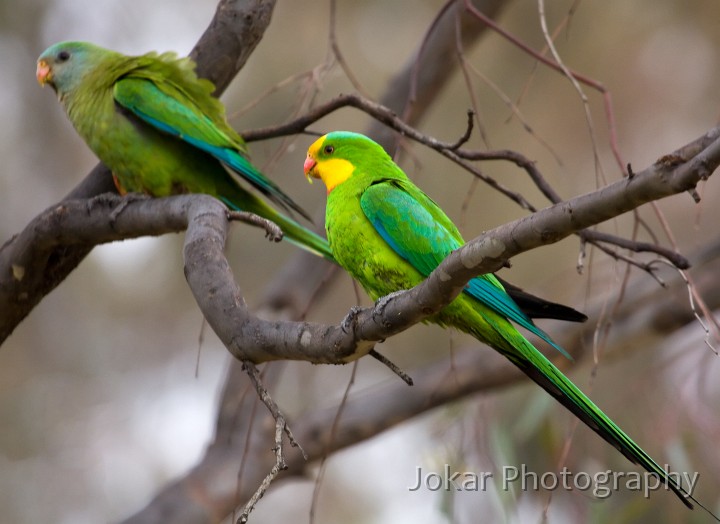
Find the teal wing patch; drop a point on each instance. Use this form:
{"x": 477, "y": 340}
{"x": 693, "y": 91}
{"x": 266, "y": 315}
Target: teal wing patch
{"x": 176, "y": 114}
{"x": 407, "y": 226}
{"x": 415, "y": 233}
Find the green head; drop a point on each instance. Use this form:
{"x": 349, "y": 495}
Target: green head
{"x": 63, "y": 66}
{"x": 332, "y": 158}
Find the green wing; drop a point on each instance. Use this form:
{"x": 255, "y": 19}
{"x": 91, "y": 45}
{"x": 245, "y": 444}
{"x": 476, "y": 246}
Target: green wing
{"x": 169, "y": 108}
{"x": 420, "y": 232}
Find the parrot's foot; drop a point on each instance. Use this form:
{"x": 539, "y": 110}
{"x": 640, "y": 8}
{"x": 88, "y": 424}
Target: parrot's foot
{"x": 126, "y": 200}
{"x": 348, "y": 323}
{"x": 382, "y": 302}
{"x": 103, "y": 200}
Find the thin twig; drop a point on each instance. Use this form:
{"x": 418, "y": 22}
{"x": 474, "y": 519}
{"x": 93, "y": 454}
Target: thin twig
{"x": 393, "y": 367}
{"x": 576, "y": 85}
{"x": 335, "y": 47}
{"x": 468, "y": 132}
{"x": 464, "y": 66}
{"x": 281, "y": 427}
{"x": 514, "y": 109}
{"x": 692, "y": 300}
{"x": 676, "y": 258}
{"x": 272, "y": 230}
{"x": 607, "y": 98}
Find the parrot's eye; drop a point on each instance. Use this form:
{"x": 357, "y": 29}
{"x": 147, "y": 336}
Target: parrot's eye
{"x": 63, "y": 56}
{"x": 329, "y": 150}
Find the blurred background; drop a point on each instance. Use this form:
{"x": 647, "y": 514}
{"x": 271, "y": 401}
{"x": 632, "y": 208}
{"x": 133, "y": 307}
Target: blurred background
{"x": 106, "y": 393}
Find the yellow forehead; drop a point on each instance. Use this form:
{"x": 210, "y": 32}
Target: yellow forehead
{"x": 315, "y": 146}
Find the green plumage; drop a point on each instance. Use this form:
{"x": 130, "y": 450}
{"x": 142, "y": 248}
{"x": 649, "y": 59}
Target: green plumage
{"x": 158, "y": 128}
{"x": 389, "y": 236}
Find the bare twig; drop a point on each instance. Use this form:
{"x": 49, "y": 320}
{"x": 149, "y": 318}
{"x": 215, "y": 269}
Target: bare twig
{"x": 418, "y": 83}
{"x": 676, "y": 258}
{"x": 272, "y": 230}
{"x": 281, "y": 428}
{"x": 338, "y": 53}
{"x": 468, "y": 132}
{"x": 393, "y": 367}
{"x": 576, "y": 85}
{"x": 594, "y": 84}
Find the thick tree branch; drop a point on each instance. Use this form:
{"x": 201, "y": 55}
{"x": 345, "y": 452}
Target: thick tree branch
{"x": 232, "y": 36}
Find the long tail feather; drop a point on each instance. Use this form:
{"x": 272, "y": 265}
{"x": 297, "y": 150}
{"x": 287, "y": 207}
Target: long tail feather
{"x": 534, "y": 364}
{"x": 536, "y": 307}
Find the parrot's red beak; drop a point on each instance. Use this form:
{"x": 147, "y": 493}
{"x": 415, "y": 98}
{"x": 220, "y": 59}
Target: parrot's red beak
{"x": 309, "y": 167}
{"x": 43, "y": 73}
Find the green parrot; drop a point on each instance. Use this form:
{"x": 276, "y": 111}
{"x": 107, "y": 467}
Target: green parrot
{"x": 158, "y": 128}
{"x": 390, "y": 236}
{"x": 161, "y": 132}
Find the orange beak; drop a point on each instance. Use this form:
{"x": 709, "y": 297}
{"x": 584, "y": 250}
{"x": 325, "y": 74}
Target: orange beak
{"x": 43, "y": 73}
{"x": 309, "y": 167}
